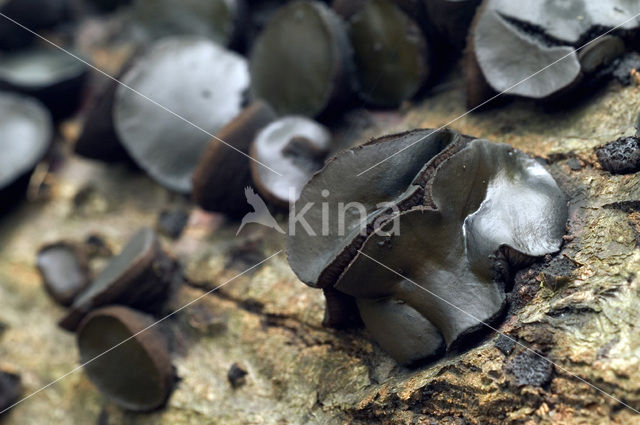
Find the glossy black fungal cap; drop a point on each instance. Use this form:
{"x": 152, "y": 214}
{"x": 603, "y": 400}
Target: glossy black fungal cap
{"x": 223, "y": 172}
{"x": 192, "y": 77}
{"x": 391, "y": 55}
{"x": 48, "y": 74}
{"x": 622, "y": 156}
{"x": 26, "y": 131}
{"x": 300, "y": 63}
{"x": 218, "y": 20}
{"x": 429, "y": 266}
{"x": 64, "y": 270}
{"x": 294, "y": 147}
{"x": 141, "y": 276}
{"x": 136, "y": 375}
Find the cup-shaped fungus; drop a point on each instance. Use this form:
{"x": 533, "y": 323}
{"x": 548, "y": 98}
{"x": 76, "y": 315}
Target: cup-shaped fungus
{"x": 141, "y": 276}
{"x": 137, "y": 374}
{"x": 48, "y": 74}
{"x": 425, "y": 251}
{"x": 218, "y": 20}
{"x": 294, "y": 147}
{"x": 223, "y": 172}
{"x": 25, "y": 135}
{"x": 64, "y": 270}
{"x": 528, "y": 49}
{"x": 300, "y": 63}
{"x": 200, "y": 86}
{"x": 391, "y": 55}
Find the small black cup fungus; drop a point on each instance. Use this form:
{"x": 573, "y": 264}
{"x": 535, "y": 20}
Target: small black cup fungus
{"x": 218, "y": 20}
{"x": 622, "y": 156}
{"x": 26, "y": 132}
{"x": 391, "y": 55}
{"x": 300, "y": 63}
{"x": 192, "y": 77}
{"x": 64, "y": 270}
{"x": 50, "y": 75}
{"x": 293, "y": 146}
{"x": 438, "y": 217}
{"x": 223, "y": 173}
{"x": 141, "y": 276}
{"x": 137, "y": 375}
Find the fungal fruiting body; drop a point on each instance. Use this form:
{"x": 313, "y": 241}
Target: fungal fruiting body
{"x": 200, "y": 82}
{"x": 445, "y": 221}
{"x": 138, "y": 376}
{"x": 26, "y": 132}
{"x": 294, "y": 147}
{"x": 300, "y": 62}
{"x": 141, "y": 276}
{"x": 224, "y": 171}
{"x": 529, "y": 49}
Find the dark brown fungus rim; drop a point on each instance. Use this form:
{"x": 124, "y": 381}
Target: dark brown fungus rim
{"x": 200, "y": 82}
{"x": 223, "y": 172}
{"x": 63, "y": 278}
{"x": 137, "y": 374}
{"x": 141, "y": 276}
{"x": 471, "y": 200}
{"x": 394, "y": 179}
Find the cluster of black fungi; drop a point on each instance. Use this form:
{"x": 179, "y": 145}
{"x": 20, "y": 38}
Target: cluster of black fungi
{"x": 226, "y": 94}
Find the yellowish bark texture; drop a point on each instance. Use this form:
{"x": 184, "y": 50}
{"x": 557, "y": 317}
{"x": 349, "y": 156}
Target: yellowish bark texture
{"x": 580, "y": 308}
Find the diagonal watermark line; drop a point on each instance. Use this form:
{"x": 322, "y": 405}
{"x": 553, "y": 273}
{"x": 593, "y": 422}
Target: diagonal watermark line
{"x": 95, "y": 68}
{"x": 500, "y": 94}
{"x": 138, "y": 333}
{"x": 504, "y": 335}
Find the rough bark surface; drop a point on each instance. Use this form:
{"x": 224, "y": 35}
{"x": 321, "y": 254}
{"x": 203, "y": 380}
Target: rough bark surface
{"x": 580, "y": 308}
